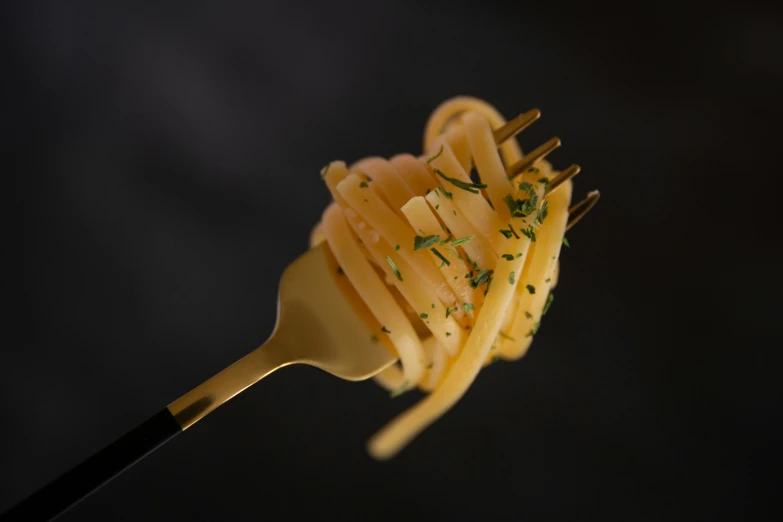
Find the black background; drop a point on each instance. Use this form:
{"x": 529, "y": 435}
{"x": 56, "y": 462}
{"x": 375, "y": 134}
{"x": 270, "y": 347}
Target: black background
{"x": 151, "y": 144}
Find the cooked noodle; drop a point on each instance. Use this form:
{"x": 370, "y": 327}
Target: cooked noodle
{"x": 440, "y": 308}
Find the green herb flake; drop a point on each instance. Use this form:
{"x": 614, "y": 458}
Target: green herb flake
{"x": 529, "y": 233}
{"x": 432, "y": 305}
{"x": 437, "y": 206}
{"x": 470, "y": 187}
{"x": 565, "y": 241}
{"x": 397, "y": 247}
{"x": 484, "y": 276}
{"x": 511, "y": 278}
{"x": 385, "y": 330}
{"x": 528, "y": 314}
{"x": 519, "y": 254}
{"x": 436, "y": 156}
{"x": 522, "y": 207}
{"x": 448, "y": 334}
{"x": 402, "y": 389}
{"x": 531, "y": 289}
{"x": 420, "y": 242}
{"x": 394, "y": 268}
{"x": 549, "y": 299}
{"x": 506, "y": 336}
{"x": 435, "y": 251}
{"x": 423, "y": 316}
{"x": 542, "y": 213}
{"x": 508, "y": 257}
{"x": 462, "y": 241}
{"x": 506, "y": 233}
{"x": 325, "y": 170}
{"x": 526, "y": 187}
{"x": 467, "y": 307}
{"x": 534, "y": 170}
{"x": 363, "y": 184}
{"x": 548, "y": 279}
{"x": 445, "y": 192}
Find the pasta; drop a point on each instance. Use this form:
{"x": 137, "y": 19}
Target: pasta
{"x": 457, "y": 272}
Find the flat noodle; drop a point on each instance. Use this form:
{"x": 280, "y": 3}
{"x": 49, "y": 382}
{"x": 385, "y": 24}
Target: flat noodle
{"x": 479, "y": 289}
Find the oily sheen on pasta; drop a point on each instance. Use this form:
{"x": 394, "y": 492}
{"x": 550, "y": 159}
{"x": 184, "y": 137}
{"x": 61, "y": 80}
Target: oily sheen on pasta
{"x": 457, "y": 269}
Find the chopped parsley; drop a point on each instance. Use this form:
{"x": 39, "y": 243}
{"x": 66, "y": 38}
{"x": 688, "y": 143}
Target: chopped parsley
{"x": 484, "y": 276}
{"x": 527, "y": 187}
{"x": 506, "y": 336}
{"x": 519, "y": 254}
{"x": 445, "y": 261}
{"x": 433, "y": 305}
{"x": 363, "y": 184}
{"x": 549, "y": 299}
{"x": 397, "y": 247}
{"x": 423, "y": 316}
{"x": 548, "y": 279}
{"x": 445, "y": 192}
{"x": 437, "y": 206}
{"x": 448, "y": 334}
{"x": 508, "y": 257}
{"x": 402, "y": 389}
{"x": 424, "y": 242}
{"x": 543, "y": 212}
{"x": 506, "y": 233}
{"x": 325, "y": 170}
{"x": 529, "y": 233}
{"x": 534, "y": 170}
{"x": 470, "y": 187}
{"x": 528, "y": 314}
{"x": 511, "y": 278}
{"x": 449, "y": 311}
{"x": 385, "y": 330}
{"x": 521, "y": 207}
{"x": 565, "y": 241}
{"x": 394, "y": 268}
{"x": 458, "y": 242}
{"x": 531, "y": 289}
{"x": 467, "y": 307}
{"x": 545, "y": 182}
{"x": 430, "y": 160}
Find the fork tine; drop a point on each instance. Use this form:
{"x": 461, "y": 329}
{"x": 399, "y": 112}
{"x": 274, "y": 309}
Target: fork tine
{"x": 516, "y": 125}
{"x": 561, "y": 178}
{"x": 579, "y": 210}
{"x": 533, "y": 157}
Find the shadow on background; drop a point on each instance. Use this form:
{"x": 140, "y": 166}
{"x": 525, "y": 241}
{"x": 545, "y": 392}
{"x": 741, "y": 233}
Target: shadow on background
{"x": 168, "y": 164}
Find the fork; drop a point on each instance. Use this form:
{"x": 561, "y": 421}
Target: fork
{"x": 321, "y": 322}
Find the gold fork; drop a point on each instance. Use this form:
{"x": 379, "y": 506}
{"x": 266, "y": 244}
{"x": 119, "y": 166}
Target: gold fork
{"x": 321, "y": 322}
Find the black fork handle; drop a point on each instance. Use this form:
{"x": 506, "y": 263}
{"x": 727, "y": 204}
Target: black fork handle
{"x": 69, "y": 489}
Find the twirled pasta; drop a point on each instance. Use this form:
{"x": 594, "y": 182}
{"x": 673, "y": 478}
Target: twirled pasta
{"x": 474, "y": 294}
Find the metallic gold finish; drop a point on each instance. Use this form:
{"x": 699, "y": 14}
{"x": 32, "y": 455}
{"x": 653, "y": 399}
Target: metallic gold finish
{"x": 516, "y": 125}
{"x": 316, "y": 325}
{"x": 579, "y": 210}
{"x": 533, "y": 157}
{"x": 561, "y": 178}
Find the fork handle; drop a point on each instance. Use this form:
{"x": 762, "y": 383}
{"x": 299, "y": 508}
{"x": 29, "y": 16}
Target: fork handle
{"x": 69, "y": 489}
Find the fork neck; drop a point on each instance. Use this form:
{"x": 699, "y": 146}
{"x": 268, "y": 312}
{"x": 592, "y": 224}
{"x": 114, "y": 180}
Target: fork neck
{"x": 207, "y": 396}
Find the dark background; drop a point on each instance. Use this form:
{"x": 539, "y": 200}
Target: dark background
{"x": 150, "y": 144}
